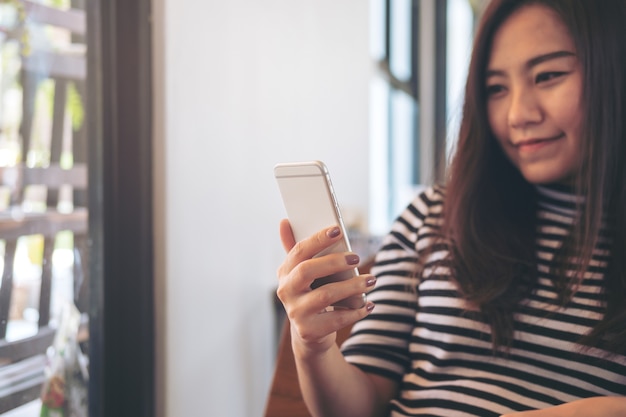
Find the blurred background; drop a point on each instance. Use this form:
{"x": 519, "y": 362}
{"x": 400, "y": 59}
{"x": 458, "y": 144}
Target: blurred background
{"x": 372, "y": 88}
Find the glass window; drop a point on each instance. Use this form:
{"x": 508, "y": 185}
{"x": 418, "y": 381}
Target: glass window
{"x": 413, "y": 129}
{"x": 460, "y": 18}
{"x": 394, "y": 144}
{"x": 400, "y": 39}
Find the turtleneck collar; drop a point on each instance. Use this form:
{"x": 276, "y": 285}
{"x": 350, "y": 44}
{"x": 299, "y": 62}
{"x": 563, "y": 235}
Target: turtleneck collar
{"x": 559, "y": 198}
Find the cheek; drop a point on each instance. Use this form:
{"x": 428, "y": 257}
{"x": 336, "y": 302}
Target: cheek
{"x": 497, "y": 122}
{"x": 570, "y": 113}
{"x": 568, "y": 110}
{"x": 570, "y": 122}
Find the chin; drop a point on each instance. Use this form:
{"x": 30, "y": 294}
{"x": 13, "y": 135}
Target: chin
{"x": 540, "y": 177}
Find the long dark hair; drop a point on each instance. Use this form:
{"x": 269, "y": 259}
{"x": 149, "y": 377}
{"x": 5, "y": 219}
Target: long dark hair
{"x": 490, "y": 208}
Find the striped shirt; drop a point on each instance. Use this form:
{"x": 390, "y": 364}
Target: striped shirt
{"x": 439, "y": 349}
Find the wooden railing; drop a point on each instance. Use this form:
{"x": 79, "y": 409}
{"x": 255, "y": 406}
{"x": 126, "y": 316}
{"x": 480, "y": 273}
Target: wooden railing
{"x": 22, "y": 361}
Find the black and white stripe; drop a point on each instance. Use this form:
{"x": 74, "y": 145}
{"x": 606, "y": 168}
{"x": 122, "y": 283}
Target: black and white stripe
{"x": 437, "y": 345}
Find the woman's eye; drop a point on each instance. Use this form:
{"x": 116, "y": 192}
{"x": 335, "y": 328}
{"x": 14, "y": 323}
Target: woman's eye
{"x": 547, "y": 76}
{"x": 494, "y": 89}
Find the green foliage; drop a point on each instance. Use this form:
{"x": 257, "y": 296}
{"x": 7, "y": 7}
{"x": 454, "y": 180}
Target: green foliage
{"x": 75, "y": 105}
{"x": 61, "y": 4}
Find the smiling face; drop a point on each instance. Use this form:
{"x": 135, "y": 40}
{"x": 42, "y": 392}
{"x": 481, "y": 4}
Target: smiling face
{"x": 534, "y": 88}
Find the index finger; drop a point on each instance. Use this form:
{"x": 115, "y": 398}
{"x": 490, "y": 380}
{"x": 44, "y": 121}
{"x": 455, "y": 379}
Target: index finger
{"x": 309, "y": 247}
{"x": 286, "y": 235}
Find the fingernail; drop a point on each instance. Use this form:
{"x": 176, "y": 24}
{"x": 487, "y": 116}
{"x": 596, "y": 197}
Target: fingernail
{"x": 352, "y": 259}
{"x": 370, "y": 281}
{"x": 332, "y": 233}
{"x": 369, "y": 306}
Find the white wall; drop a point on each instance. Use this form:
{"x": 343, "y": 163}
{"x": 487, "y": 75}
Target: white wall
{"x": 239, "y": 86}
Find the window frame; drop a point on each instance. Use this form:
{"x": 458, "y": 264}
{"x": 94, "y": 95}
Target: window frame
{"x": 122, "y": 329}
{"x": 426, "y": 87}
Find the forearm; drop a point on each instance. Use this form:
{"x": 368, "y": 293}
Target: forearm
{"x": 333, "y": 387}
{"x": 596, "y": 406}
{"x": 588, "y": 407}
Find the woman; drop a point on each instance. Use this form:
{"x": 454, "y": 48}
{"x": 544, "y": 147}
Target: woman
{"x": 502, "y": 292}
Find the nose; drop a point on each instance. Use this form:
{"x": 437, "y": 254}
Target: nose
{"x": 524, "y": 108}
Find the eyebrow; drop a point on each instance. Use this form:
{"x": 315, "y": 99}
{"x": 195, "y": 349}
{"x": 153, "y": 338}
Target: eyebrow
{"x": 536, "y": 61}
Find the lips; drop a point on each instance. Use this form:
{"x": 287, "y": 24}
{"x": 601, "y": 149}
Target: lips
{"x": 529, "y": 145}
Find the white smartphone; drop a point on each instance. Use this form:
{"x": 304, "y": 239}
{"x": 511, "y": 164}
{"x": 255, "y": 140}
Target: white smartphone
{"x": 311, "y": 205}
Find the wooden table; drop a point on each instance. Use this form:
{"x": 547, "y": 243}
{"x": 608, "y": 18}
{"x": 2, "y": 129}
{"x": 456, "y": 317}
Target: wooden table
{"x": 285, "y": 398}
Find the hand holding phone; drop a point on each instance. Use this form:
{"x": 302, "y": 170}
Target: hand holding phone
{"x": 311, "y": 205}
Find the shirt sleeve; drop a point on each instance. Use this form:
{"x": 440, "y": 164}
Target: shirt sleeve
{"x": 379, "y": 343}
